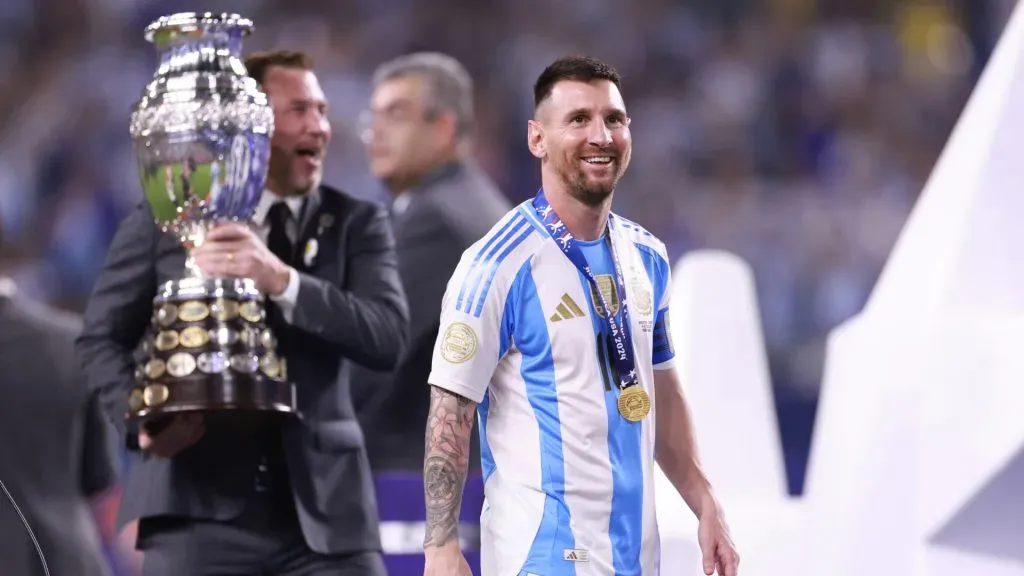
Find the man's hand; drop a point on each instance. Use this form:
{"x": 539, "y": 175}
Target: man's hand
{"x": 183, "y": 431}
{"x": 716, "y": 545}
{"x": 447, "y": 560}
{"x": 232, "y": 250}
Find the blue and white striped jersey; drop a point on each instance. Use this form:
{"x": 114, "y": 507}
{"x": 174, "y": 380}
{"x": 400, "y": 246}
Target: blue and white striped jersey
{"x": 568, "y": 481}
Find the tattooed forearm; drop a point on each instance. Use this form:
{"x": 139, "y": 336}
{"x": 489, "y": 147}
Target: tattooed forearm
{"x": 449, "y": 425}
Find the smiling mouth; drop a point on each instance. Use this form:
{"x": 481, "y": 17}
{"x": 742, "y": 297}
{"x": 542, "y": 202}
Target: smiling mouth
{"x": 598, "y": 160}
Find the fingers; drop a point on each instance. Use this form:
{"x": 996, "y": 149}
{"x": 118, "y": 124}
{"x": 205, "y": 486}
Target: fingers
{"x": 247, "y": 258}
{"x": 228, "y": 231}
{"x": 183, "y": 431}
{"x": 232, "y": 260}
{"x": 216, "y": 266}
{"x": 224, "y": 246}
{"x": 708, "y": 553}
{"x": 144, "y": 440}
{"x": 729, "y": 565}
{"x": 724, "y": 559}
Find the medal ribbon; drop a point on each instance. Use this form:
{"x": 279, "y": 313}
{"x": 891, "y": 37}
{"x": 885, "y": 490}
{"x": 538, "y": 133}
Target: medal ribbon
{"x": 622, "y": 350}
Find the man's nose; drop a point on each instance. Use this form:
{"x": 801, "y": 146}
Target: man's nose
{"x": 317, "y": 123}
{"x": 600, "y": 135}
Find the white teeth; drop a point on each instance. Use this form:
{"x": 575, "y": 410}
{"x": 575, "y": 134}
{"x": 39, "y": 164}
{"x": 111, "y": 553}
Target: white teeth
{"x": 598, "y": 160}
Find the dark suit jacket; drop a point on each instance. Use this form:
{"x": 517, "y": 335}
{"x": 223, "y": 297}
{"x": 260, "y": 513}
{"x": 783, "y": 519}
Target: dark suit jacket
{"x": 350, "y": 309}
{"x": 447, "y": 213}
{"x": 57, "y": 450}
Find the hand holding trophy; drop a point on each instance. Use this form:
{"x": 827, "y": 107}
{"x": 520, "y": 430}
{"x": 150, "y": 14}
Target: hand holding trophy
{"x": 202, "y": 134}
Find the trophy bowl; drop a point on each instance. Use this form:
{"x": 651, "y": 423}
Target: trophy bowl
{"x": 201, "y": 133}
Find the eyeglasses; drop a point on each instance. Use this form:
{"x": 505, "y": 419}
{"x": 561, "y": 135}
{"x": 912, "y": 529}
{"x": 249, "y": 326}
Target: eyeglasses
{"x": 388, "y": 118}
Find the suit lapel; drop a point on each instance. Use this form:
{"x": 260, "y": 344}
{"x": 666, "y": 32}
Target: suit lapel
{"x": 319, "y": 215}
{"x": 307, "y": 222}
{"x": 310, "y": 210}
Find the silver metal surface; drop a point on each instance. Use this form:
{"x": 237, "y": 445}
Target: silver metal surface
{"x": 202, "y": 127}
{"x": 239, "y": 289}
{"x": 201, "y": 132}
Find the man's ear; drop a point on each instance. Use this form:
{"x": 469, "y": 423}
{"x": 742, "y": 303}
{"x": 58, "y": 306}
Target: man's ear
{"x": 535, "y": 139}
{"x": 448, "y": 125}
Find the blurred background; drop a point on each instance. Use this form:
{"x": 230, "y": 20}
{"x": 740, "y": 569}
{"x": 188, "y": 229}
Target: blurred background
{"x": 795, "y": 133}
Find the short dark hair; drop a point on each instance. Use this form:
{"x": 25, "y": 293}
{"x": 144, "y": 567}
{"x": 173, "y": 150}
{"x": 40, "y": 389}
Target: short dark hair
{"x": 579, "y": 68}
{"x": 257, "y": 63}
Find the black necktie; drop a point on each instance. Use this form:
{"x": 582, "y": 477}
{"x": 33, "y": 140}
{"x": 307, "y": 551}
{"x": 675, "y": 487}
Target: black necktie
{"x": 278, "y": 240}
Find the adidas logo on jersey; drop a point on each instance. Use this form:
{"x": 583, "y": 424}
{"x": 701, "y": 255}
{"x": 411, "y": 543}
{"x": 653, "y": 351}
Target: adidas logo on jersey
{"x": 567, "y": 310}
{"x": 576, "y": 555}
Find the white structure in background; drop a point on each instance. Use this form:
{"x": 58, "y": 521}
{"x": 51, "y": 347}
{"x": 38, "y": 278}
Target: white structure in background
{"x": 917, "y": 464}
{"x": 716, "y": 330}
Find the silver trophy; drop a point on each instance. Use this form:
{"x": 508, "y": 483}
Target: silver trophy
{"x": 202, "y": 137}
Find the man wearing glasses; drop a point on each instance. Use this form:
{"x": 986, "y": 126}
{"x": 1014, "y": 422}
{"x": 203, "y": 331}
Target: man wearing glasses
{"x": 418, "y": 136}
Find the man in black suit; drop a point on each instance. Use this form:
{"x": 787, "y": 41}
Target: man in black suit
{"x": 56, "y": 457}
{"x": 418, "y": 135}
{"x": 294, "y": 499}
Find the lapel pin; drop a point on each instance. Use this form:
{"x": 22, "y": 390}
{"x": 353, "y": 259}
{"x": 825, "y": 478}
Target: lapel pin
{"x": 325, "y": 222}
{"x": 309, "y": 254}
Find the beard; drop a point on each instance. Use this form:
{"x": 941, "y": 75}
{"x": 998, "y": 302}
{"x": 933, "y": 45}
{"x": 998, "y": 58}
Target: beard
{"x": 288, "y": 180}
{"x": 592, "y": 194}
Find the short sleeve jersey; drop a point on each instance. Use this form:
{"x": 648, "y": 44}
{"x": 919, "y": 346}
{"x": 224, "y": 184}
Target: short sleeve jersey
{"x": 568, "y": 481}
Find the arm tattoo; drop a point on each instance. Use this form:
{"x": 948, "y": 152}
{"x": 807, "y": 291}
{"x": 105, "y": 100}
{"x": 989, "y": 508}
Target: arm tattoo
{"x": 449, "y": 425}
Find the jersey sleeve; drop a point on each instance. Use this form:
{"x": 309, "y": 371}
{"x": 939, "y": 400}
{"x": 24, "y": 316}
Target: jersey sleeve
{"x": 663, "y": 351}
{"x": 473, "y": 331}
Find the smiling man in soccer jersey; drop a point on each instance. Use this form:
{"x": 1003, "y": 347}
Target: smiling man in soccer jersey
{"x": 554, "y": 330}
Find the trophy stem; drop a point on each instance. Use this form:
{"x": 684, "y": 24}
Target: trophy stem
{"x": 192, "y": 238}
{"x": 191, "y": 269}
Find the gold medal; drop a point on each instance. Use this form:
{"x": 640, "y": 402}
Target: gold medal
{"x": 194, "y": 337}
{"x": 268, "y": 340}
{"x": 193, "y": 311}
{"x": 249, "y": 336}
{"x": 270, "y": 365}
{"x": 166, "y": 340}
{"x": 135, "y": 400}
{"x": 155, "y": 368}
{"x": 634, "y": 403}
{"x": 244, "y": 363}
{"x": 251, "y": 311}
{"x": 155, "y": 394}
{"x": 181, "y": 365}
{"x": 224, "y": 310}
{"x": 166, "y": 315}
{"x": 212, "y": 362}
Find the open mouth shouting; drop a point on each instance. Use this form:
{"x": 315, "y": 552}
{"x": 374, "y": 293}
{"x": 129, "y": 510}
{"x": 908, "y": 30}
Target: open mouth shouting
{"x": 310, "y": 154}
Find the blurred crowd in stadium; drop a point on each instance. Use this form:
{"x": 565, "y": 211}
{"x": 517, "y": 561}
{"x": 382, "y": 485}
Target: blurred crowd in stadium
{"x": 796, "y": 133}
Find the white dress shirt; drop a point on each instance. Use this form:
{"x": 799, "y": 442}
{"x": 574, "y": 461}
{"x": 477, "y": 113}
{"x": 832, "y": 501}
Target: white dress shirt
{"x": 287, "y": 299}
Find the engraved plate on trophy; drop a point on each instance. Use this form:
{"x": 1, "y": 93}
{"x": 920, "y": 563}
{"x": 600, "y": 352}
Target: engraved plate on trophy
{"x": 202, "y": 133}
